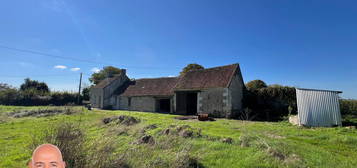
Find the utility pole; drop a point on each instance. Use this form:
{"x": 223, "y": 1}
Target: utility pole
{"x": 79, "y": 90}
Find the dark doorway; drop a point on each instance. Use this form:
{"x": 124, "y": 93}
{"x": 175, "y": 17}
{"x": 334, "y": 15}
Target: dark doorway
{"x": 186, "y": 103}
{"x": 164, "y": 105}
{"x": 191, "y": 99}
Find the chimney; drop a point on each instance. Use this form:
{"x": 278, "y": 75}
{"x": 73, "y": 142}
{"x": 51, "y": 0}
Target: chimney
{"x": 123, "y": 71}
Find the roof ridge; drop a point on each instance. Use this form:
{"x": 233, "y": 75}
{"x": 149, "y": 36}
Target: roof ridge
{"x": 156, "y": 78}
{"x": 214, "y": 67}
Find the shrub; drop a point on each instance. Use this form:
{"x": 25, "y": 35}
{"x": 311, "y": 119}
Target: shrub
{"x": 9, "y": 96}
{"x": 63, "y": 98}
{"x": 268, "y": 103}
{"x": 348, "y": 106}
{"x": 34, "y": 93}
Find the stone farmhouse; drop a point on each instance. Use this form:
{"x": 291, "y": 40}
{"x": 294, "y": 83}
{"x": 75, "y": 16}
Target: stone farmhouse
{"x": 216, "y": 91}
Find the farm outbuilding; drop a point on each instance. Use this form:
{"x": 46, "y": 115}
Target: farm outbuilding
{"x": 217, "y": 91}
{"x": 318, "y": 108}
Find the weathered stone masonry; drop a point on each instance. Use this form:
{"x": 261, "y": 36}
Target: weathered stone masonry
{"x": 215, "y": 91}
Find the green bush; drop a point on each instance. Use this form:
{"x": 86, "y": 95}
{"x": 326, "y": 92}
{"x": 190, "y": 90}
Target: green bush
{"x": 9, "y": 96}
{"x": 269, "y": 102}
{"x": 348, "y": 106}
{"x": 63, "y": 98}
{"x": 33, "y": 97}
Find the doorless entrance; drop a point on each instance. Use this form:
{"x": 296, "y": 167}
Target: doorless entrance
{"x": 186, "y": 103}
{"x": 164, "y": 105}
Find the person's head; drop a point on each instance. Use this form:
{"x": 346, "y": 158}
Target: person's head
{"x": 47, "y": 156}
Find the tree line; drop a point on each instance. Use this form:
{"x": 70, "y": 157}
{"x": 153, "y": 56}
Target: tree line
{"x": 34, "y": 93}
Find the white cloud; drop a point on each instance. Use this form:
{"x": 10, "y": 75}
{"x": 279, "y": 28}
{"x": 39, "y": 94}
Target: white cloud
{"x": 95, "y": 69}
{"x": 171, "y": 76}
{"x": 75, "y": 69}
{"x": 60, "y": 67}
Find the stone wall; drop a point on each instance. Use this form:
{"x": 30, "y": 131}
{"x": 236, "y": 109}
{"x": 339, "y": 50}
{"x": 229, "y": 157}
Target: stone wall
{"x": 96, "y": 97}
{"x": 213, "y": 102}
{"x": 235, "y": 95}
{"x": 138, "y": 103}
{"x": 109, "y": 99}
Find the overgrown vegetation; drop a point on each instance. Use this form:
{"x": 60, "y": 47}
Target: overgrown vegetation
{"x": 160, "y": 140}
{"x": 43, "y": 112}
{"x": 191, "y": 67}
{"x": 348, "y": 107}
{"x": 106, "y": 72}
{"x": 32, "y": 93}
{"x": 268, "y": 103}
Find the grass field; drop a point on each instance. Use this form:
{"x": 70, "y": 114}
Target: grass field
{"x": 254, "y": 144}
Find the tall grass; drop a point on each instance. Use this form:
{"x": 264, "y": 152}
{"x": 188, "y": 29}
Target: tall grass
{"x": 76, "y": 150}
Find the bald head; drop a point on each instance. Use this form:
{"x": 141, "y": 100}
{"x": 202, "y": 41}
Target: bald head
{"x": 47, "y": 156}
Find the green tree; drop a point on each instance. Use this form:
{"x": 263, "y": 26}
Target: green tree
{"x": 85, "y": 93}
{"x": 4, "y": 86}
{"x": 8, "y": 95}
{"x": 39, "y": 88}
{"x": 191, "y": 67}
{"x": 256, "y": 84}
{"x": 108, "y": 71}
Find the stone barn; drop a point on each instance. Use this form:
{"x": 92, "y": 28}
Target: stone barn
{"x": 216, "y": 91}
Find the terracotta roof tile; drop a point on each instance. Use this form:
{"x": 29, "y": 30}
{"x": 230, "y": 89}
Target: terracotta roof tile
{"x": 217, "y": 77}
{"x": 207, "y": 78}
{"x": 151, "y": 87}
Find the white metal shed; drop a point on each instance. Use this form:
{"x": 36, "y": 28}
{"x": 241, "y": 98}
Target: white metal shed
{"x": 318, "y": 108}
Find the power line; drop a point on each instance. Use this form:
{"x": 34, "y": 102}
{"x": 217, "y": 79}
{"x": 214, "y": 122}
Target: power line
{"x": 77, "y": 59}
{"x": 34, "y": 76}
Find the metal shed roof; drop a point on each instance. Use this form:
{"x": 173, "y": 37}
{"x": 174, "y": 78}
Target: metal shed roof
{"x": 321, "y": 90}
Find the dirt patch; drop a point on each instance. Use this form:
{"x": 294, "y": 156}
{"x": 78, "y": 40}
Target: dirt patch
{"x": 186, "y": 118}
{"x": 181, "y": 130}
{"x": 186, "y": 133}
{"x": 150, "y": 127}
{"x": 146, "y": 128}
{"x": 122, "y": 119}
{"x": 42, "y": 112}
{"x": 146, "y": 139}
{"x": 194, "y": 118}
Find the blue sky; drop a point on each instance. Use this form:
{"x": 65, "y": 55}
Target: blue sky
{"x": 309, "y": 44}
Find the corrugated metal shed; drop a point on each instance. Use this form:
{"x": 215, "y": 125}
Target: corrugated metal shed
{"x": 318, "y": 108}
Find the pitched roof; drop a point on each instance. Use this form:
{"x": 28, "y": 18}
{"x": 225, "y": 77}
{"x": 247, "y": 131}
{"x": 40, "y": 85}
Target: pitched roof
{"x": 107, "y": 81}
{"x": 207, "y": 78}
{"x": 151, "y": 87}
{"x": 217, "y": 77}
